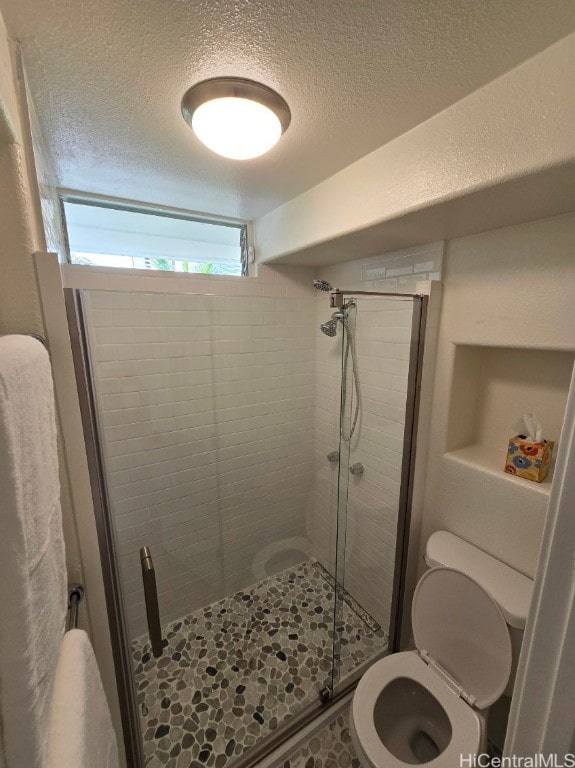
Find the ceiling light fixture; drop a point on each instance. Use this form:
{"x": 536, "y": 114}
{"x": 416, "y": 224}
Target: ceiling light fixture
{"x": 234, "y": 117}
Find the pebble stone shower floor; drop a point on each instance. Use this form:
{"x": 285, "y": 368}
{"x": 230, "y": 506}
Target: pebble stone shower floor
{"x": 234, "y": 671}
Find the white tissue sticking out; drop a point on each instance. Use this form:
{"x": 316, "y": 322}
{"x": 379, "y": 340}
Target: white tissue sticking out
{"x": 533, "y": 429}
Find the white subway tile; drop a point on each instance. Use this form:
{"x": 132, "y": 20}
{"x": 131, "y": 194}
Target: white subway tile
{"x": 218, "y": 413}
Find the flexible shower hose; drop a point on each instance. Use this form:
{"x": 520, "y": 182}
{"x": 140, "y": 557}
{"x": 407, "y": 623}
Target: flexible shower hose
{"x": 349, "y": 347}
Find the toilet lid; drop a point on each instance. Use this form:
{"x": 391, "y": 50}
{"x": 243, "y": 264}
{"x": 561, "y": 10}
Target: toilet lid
{"x": 463, "y": 631}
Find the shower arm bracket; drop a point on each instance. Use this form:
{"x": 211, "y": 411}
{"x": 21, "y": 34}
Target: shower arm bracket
{"x": 336, "y": 299}
{"x": 337, "y": 296}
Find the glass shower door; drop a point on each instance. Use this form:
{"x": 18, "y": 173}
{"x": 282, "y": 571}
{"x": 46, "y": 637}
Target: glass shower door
{"x": 379, "y": 361}
{"x": 204, "y": 406}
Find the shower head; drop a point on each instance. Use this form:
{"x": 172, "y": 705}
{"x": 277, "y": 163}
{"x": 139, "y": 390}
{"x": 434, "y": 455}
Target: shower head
{"x": 330, "y": 327}
{"x": 322, "y": 285}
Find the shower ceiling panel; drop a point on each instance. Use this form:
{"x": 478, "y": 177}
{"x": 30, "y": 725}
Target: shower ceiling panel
{"x": 107, "y": 79}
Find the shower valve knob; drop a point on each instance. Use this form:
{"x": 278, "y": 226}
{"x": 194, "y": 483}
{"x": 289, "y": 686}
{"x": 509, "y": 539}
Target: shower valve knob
{"x": 333, "y": 456}
{"x": 357, "y": 468}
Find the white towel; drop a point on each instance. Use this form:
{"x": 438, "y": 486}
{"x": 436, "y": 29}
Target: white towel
{"x": 81, "y": 733}
{"x": 33, "y": 597}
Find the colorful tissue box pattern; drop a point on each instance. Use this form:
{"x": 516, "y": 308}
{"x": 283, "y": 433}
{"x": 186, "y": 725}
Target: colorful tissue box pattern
{"x": 529, "y": 460}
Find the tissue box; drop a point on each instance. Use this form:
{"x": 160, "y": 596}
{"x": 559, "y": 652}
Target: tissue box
{"x": 527, "y": 459}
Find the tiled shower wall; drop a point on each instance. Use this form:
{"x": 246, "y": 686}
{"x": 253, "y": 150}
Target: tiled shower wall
{"x": 394, "y": 272}
{"x": 382, "y": 338}
{"x": 383, "y": 332}
{"x": 220, "y": 499}
{"x": 205, "y": 404}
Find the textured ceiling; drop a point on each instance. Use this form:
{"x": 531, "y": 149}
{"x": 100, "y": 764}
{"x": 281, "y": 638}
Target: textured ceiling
{"x": 107, "y": 77}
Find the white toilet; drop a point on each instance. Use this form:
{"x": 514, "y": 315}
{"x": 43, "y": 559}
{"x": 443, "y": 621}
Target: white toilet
{"x": 429, "y": 706}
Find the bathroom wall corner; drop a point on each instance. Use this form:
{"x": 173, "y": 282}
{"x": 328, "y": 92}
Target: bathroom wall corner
{"x": 80, "y": 527}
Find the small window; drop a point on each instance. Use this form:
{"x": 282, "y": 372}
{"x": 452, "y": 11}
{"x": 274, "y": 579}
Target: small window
{"x": 103, "y": 235}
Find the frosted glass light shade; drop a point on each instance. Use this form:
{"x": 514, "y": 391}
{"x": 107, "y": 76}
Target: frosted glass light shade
{"x": 237, "y": 118}
{"x": 236, "y": 128}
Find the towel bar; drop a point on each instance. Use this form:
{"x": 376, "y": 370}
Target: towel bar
{"x": 75, "y": 597}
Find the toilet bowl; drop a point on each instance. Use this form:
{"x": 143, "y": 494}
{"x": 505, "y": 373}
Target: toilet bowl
{"x": 429, "y": 706}
{"x": 403, "y": 714}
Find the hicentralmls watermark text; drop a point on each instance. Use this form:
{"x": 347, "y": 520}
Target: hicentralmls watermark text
{"x": 516, "y": 761}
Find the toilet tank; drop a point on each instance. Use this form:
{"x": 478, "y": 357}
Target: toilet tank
{"x": 510, "y": 589}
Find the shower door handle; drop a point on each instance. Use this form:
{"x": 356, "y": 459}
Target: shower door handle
{"x": 151, "y": 599}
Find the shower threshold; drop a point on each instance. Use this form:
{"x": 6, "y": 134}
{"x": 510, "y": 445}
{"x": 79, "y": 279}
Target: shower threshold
{"x": 235, "y": 671}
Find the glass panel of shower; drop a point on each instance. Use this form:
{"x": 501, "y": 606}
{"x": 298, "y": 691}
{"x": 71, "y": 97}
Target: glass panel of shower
{"x": 379, "y": 358}
{"x": 224, "y": 429}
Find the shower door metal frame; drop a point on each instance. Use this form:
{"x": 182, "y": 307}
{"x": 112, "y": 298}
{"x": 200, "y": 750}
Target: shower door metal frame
{"x": 418, "y": 328}
{"x": 133, "y": 743}
{"x": 108, "y": 549}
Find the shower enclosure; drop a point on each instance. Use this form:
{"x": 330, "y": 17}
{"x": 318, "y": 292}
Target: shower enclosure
{"x": 251, "y": 463}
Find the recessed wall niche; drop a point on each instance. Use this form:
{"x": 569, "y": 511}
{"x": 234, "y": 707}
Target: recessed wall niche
{"x": 491, "y": 388}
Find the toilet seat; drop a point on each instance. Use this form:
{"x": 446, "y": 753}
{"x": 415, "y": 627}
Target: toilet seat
{"x": 460, "y": 631}
{"x": 465, "y": 723}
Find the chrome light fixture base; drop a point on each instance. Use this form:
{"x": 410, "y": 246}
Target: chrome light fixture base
{"x": 238, "y": 88}
{"x": 236, "y": 118}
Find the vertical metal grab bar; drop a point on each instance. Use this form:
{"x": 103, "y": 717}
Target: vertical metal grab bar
{"x": 151, "y": 598}
{"x": 75, "y": 597}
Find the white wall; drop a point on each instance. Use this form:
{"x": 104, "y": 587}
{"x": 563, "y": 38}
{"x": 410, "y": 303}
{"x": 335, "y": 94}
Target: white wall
{"x": 22, "y": 234}
{"x": 47, "y": 184}
{"x": 23, "y": 310}
{"x": 509, "y": 288}
{"x": 501, "y": 155}
{"x": 20, "y": 223}
{"x": 273, "y": 282}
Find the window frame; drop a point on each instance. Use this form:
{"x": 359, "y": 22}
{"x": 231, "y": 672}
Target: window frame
{"x": 131, "y": 206}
